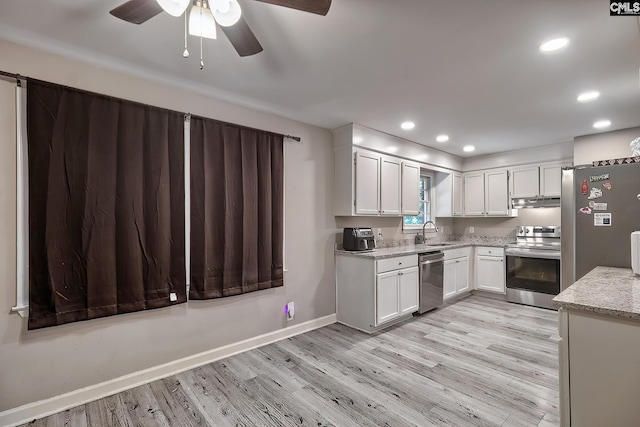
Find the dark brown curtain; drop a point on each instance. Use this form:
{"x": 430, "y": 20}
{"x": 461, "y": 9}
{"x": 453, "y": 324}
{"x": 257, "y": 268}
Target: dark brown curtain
{"x": 106, "y": 205}
{"x": 236, "y": 209}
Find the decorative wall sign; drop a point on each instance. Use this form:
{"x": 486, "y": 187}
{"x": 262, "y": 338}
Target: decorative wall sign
{"x": 595, "y": 193}
{"x": 597, "y": 178}
{"x": 602, "y": 219}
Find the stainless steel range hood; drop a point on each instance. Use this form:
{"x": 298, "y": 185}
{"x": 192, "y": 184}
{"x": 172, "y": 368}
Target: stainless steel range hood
{"x": 535, "y": 202}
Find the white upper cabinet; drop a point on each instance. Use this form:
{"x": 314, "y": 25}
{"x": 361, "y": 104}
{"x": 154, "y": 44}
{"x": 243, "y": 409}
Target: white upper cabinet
{"x": 487, "y": 193}
{"x": 537, "y": 180}
{"x": 497, "y": 193}
{"x": 390, "y": 176}
{"x": 410, "y": 188}
{"x": 525, "y": 182}
{"x": 474, "y": 194}
{"x": 449, "y": 195}
{"x": 373, "y": 184}
{"x": 367, "y": 183}
{"x": 551, "y": 179}
{"x": 456, "y": 190}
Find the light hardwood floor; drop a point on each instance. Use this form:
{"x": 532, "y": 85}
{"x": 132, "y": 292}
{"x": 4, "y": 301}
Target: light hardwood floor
{"x": 476, "y": 362}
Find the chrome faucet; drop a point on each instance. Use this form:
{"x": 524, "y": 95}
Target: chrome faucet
{"x": 425, "y": 224}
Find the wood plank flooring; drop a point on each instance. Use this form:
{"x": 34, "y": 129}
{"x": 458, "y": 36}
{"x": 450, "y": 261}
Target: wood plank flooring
{"x": 475, "y": 362}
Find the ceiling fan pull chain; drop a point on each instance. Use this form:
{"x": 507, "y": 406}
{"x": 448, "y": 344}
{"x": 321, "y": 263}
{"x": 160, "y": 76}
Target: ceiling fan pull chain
{"x": 185, "y": 54}
{"x": 201, "y": 61}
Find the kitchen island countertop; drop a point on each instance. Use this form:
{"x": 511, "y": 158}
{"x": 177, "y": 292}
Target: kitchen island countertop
{"x": 604, "y": 290}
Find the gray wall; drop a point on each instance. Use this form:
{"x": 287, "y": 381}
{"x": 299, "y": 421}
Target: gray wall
{"x": 603, "y": 146}
{"x": 44, "y": 363}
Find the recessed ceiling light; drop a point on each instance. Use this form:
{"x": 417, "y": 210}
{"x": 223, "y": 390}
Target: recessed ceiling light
{"x": 588, "y": 96}
{"x": 442, "y": 138}
{"x": 601, "y": 124}
{"x": 407, "y": 125}
{"x": 469, "y": 148}
{"x": 554, "y": 44}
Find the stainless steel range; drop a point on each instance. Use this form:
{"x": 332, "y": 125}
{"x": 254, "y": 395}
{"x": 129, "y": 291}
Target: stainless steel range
{"x": 533, "y": 265}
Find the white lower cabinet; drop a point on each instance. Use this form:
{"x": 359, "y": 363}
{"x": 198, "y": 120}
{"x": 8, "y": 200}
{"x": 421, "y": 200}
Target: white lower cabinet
{"x": 456, "y": 272}
{"x": 408, "y": 288}
{"x": 490, "y": 270}
{"x": 387, "y": 301}
{"x": 396, "y": 294}
{"x": 372, "y": 294}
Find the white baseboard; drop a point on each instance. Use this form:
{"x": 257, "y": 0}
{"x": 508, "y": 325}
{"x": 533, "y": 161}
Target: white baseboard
{"x": 46, "y": 407}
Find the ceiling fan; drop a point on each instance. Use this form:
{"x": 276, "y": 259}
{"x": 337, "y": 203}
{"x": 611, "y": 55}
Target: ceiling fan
{"x": 239, "y": 34}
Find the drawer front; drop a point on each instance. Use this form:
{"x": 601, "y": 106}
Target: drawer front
{"x": 396, "y": 263}
{"x": 456, "y": 253}
{"x": 488, "y": 251}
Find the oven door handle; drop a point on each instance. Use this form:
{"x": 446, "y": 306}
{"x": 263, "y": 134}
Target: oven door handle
{"x": 532, "y": 254}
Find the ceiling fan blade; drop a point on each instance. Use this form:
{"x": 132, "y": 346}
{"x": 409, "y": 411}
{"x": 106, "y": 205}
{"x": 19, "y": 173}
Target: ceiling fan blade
{"x": 242, "y": 38}
{"x": 137, "y": 11}
{"x": 319, "y": 7}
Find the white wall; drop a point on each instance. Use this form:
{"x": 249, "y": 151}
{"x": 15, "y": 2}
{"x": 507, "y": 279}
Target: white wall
{"x": 547, "y": 153}
{"x": 604, "y": 146}
{"x": 44, "y": 363}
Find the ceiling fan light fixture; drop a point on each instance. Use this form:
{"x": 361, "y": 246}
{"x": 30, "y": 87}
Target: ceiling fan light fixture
{"x": 221, "y": 6}
{"x": 174, "y": 7}
{"x": 201, "y": 21}
{"x": 231, "y": 16}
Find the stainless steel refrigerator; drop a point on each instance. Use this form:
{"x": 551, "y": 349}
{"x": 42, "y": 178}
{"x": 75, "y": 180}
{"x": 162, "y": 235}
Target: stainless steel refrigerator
{"x": 600, "y": 209}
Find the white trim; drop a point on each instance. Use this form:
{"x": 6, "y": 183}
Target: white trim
{"x": 22, "y": 207}
{"x": 46, "y": 407}
{"x": 411, "y": 228}
{"x": 284, "y": 208}
{"x": 187, "y": 201}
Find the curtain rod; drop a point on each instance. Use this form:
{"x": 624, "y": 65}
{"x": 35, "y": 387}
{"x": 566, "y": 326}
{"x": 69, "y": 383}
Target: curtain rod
{"x": 18, "y": 77}
{"x": 295, "y": 138}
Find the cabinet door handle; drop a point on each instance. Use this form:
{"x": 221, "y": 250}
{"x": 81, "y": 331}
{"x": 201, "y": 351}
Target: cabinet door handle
{"x": 400, "y": 273}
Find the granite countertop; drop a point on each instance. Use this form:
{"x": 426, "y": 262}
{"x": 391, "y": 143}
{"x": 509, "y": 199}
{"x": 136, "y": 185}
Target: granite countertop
{"x": 604, "y": 290}
{"x": 422, "y": 248}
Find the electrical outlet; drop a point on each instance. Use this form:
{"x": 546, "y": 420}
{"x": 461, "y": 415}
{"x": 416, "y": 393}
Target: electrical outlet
{"x": 472, "y": 229}
{"x": 290, "y": 310}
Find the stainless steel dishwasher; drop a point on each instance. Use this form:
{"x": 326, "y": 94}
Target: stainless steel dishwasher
{"x": 431, "y": 280}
